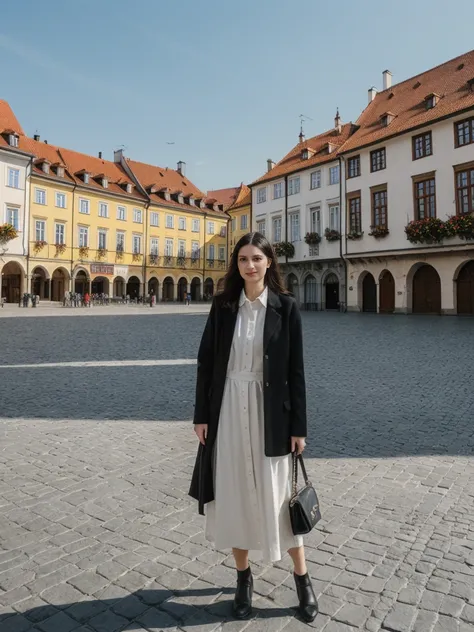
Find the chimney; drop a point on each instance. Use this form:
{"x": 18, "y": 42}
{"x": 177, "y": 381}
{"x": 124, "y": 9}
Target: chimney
{"x": 387, "y": 79}
{"x": 118, "y": 156}
{"x": 100, "y": 154}
{"x": 36, "y": 137}
{"x": 372, "y": 94}
{"x": 45, "y": 142}
{"x": 337, "y": 122}
{"x": 270, "y": 164}
{"x": 181, "y": 168}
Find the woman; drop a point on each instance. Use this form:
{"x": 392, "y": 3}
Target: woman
{"x": 250, "y": 414}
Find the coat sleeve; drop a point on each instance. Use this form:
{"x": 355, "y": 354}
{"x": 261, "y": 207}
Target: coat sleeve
{"x": 296, "y": 375}
{"x": 205, "y": 367}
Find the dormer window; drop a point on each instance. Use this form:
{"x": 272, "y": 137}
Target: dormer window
{"x": 431, "y": 100}
{"x": 60, "y": 172}
{"x": 105, "y": 183}
{"x": 180, "y": 197}
{"x": 470, "y": 84}
{"x": 129, "y": 187}
{"x": 166, "y": 193}
{"x": 330, "y": 147}
{"x": 306, "y": 153}
{"x": 191, "y": 201}
{"x": 387, "y": 118}
{"x": 202, "y": 203}
{"x": 13, "y": 140}
{"x": 215, "y": 206}
{"x": 45, "y": 166}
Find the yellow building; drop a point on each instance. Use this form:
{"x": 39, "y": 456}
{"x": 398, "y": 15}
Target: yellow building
{"x": 240, "y": 213}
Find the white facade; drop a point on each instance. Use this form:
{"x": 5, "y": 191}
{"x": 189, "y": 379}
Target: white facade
{"x": 313, "y": 205}
{"x": 394, "y": 252}
{"x": 14, "y": 198}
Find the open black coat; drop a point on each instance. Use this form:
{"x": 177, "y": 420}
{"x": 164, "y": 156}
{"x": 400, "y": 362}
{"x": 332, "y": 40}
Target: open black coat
{"x": 283, "y": 380}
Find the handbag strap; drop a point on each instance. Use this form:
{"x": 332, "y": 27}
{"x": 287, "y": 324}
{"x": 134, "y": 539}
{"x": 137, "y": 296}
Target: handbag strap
{"x": 298, "y": 458}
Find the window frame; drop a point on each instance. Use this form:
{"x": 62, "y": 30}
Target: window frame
{"x": 211, "y": 228}
{"x": 373, "y": 155}
{"x": 334, "y": 225}
{"x": 16, "y": 172}
{"x": 101, "y": 206}
{"x": 57, "y": 195}
{"x": 16, "y": 210}
{"x": 42, "y": 229}
{"x": 169, "y": 245}
{"x": 259, "y": 229}
{"x": 356, "y": 172}
{"x": 136, "y": 239}
{"x": 120, "y": 208}
{"x": 291, "y": 217}
{"x": 274, "y": 222}
{"x": 244, "y": 222}
{"x": 62, "y": 240}
{"x": 121, "y": 241}
{"x": 354, "y": 197}
{"x": 101, "y": 233}
{"x": 196, "y": 222}
{"x": 83, "y": 231}
{"x": 86, "y": 201}
{"x": 38, "y": 191}
{"x": 294, "y": 185}
{"x": 313, "y": 173}
{"x": 470, "y": 122}
{"x": 154, "y": 214}
{"x": 137, "y": 216}
{"x": 469, "y": 169}
{"x": 335, "y": 169}
{"x": 425, "y": 197}
{"x": 261, "y": 195}
{"x": 374, "y": 191}
{"x": 182, "y": 223}
{"x": 170, "y": 222}
{"x": 155, "y": 251}
{"x": 424, "y": 145}
{"x": 278, "y": 186}
{"x": 313, "y": 212}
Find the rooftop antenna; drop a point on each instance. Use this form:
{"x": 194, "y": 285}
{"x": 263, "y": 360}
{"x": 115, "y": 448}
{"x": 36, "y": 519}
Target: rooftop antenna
{"x": 302, "y": 118}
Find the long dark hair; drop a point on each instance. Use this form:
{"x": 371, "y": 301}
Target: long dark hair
{"x": 233, "y": 281}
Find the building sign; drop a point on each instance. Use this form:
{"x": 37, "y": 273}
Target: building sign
{"x": 101, "y": 268}
{"x": 121, "y": 271}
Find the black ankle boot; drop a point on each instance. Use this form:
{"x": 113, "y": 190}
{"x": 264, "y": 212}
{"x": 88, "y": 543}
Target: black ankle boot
{"x": 308, "y": 608}
{"x": 242, "y": 606}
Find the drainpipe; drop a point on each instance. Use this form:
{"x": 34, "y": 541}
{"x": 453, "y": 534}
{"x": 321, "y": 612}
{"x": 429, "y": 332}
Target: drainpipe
{"x": 286, "y": 213}
{"x": 72, "y": 233}
{"x": 204, "y": 259}
{"x": 145, "y": 249}
{"x": 26, "y": 229}
{"x": 342, "y": 202}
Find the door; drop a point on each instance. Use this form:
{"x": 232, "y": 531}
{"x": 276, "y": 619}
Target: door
{"x": 369, "y": 294}
{"x": 465, "y": 289}
{"x": 387, "y": 293}
{"x": 332, "y": 292}
{"x": 426, "y": 291}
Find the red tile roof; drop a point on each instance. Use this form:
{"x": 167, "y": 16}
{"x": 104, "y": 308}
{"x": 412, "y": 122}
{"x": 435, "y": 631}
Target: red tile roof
{"x": 226, "y": 197}
{"x": 8, "y": 120}
{"x": 244, "y": 198}
{"x": 294, "y": 161}
{"x": 406, "y": 101}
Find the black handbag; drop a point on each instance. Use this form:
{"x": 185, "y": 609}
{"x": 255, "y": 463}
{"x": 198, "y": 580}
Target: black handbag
{"x": 304, "y": 504}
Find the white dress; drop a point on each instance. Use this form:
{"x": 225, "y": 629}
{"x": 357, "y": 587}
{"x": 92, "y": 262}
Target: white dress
{"x": 252, "y": 491}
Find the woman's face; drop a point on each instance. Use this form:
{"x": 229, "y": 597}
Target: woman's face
{"x": 253, "y": 264}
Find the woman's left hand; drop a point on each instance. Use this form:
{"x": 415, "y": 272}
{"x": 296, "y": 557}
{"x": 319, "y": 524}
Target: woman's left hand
{"x": 298, "y": 444}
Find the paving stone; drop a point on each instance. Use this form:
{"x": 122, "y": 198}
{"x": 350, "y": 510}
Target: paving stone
{"x": 59, "y": 622}
{"x": 425, "y": 621}
{"x": 351, "y": 614}
{"x": 88, "y": 582}
{"x": 400, "y": 618}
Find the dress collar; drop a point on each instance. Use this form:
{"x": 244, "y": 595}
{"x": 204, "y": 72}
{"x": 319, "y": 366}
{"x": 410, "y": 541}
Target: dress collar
{"x": 263, "y": 298}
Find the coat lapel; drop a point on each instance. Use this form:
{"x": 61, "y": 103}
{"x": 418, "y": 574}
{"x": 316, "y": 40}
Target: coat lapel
{"x": 272, "y": 318}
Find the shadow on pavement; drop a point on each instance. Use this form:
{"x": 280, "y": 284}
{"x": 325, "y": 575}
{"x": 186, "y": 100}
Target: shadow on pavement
{"x": 156, "y": 609}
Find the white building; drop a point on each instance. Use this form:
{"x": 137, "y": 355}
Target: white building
{"x": 301, "y": 195}
{"x": 14, "y": 206}
{"x": 411, "y": 158}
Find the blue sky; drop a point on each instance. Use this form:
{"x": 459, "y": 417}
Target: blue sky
{"x": 223, "y": 80}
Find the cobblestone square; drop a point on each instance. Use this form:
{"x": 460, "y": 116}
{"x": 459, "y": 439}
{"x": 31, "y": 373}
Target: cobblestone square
{"x": 97, "y": 532}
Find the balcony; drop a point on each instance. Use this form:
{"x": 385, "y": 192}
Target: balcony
{"x": 167, "y": 261}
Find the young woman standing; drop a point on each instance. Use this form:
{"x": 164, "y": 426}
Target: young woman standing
{"x": 250, "y": 414}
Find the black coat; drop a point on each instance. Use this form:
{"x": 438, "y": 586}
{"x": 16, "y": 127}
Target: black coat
{"x": 283, "y": 380}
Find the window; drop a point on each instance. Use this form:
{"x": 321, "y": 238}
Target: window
{"x": 195, "y": 250}
{"x": 13, "y": 217}
{"x": 14, "y": 178}
{"x": 221, "y": 253}
{"x": 40, "y": 196}
{"x": 137, "y": 216}
{"x": 13, "y": 140}
{"x": 83, "y": 236}
{"x": 234, "y": 224}
{"x": 102, "y": 240}
{"x": 154, "y": 219}
{"x": 277, "y": 190}
{"x": 170, "y": 221}
{"x": 464, "y": 132}
{"x": 223, "y": 232}
{"x": 212, "y": 255}
{"x": 334, "y": 217}
{"x": 121, "y": 213}
{"x": 377, "y": 160}
{"x": 276, "y": 229}
{"x": 295, "y": 227}
{"x": 425, "y": 198}
{"x": 210, "y": 228}
{"x": 181, "y": 248}
{"x": 243, "y": 222}
{"x": 353, "y": 167}
{"x": 261, "y": 195}
{"x": 103, "y": 209}
{"x": 315, "y": 217}
{"x": 334, "y": 175}
{"x": 137, "y": 244}
{"x": 60, "y": 234}
{"x": 422, "y": 146}
{"x": 154, "y": 246}
{"x": 86, "y": 178}
{"x": 84, "y": 206}
{"x": 355, "y": 218}
{"x": 379, "y": 208}
{"x": 261, "y": 226}
{"x": 120, "y": 242}
{"x": 182, "y": 223}
{"x": 196, "y": 226}
{"x": 316, "y": 179}
{"x": 293, "y": 185}
{"x": 168, "y": 247}
{"x": 465, "y": 191}
{"x": 61, "y": 200}
{"x": 40, "y": 230}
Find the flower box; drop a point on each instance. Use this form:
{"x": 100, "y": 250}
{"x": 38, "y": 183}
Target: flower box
{"x": 427, "y": 231}
{"x": 460, "y": 225}
{"x": 8, "y": 232}
{"x": 284, "y": 249}
{"x": 355, "y": 234}
{"x": 332, "y": 235}
{"x": 312, "y": 239}
{"x": 379, "y": 231}
{"x": 84, "y": 251}
{"x": 60, "y": 248}
{"x": 136, "y": 256}
{"x": 39, "y": 245}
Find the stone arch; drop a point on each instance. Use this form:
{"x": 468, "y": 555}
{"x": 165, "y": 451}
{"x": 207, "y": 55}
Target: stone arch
{"x": 168, "y": 289}
{"x": 331, "y": 290}
{"x": 133, "y": 287}
{"x": 182, "y": 288}
{"x": 386, "y": 292}
{"x": 40, "y": 282}
{"x": 81, "y": 282}
{"x": 100, "y": 285}
{"x": 464, "y": 287}
{"x": 13, "y": 281}
{"x": 367, "y": 290}
{"x": 310, "y": 286}
{"x": 196, "y": 289}
{"x": 59, "y": 283}
{"x": 291, "y": 283}
{"x": 208, "y": 288}
{"x": 119, "y": 287}
{"x": 424, "y": 289}
{"x": 153, "y": 286}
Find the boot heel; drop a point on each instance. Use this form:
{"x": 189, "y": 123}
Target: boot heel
{"x": 308, "y": 607}
{"x": 242, "y": 606}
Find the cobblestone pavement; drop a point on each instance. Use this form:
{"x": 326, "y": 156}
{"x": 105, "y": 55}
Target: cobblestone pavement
{"x": 97, "y": 532}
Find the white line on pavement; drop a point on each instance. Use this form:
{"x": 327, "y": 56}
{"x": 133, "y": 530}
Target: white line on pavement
{"x": 60, "y": 365}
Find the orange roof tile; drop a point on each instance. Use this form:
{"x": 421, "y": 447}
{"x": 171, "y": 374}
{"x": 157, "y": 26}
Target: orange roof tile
{"x": 294, "y": 161}
{"x": 406, "y": 101}
{"x": 226, "y": 197}
{"x": 8, "y": 120}
{"x": 244, "y": 197}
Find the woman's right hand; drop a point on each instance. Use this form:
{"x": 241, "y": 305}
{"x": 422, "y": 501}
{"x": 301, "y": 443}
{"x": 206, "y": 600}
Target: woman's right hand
{"x": 201, "y": 431}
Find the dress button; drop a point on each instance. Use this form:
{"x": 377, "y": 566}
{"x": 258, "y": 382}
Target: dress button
{"x": 267, "y": 384}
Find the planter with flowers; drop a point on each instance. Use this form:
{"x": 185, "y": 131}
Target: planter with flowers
{"x": 332, "y": 235}
{"x": 39, "y": 245}
{"x": 355, "y": 234}
{"x": 379, "y": 231}
{"x": 312, "y": 239}
{"x": 83, "y": 252}
{"x": 284, "y": 249}
{"x": 7, "y": 233}
{"x": 60, "y": 249}
{"x": 426, "y": 231}
{"x": 101, "y": 253}
{"x": 460, "y": 225}
{"x": 136, "y": 256}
